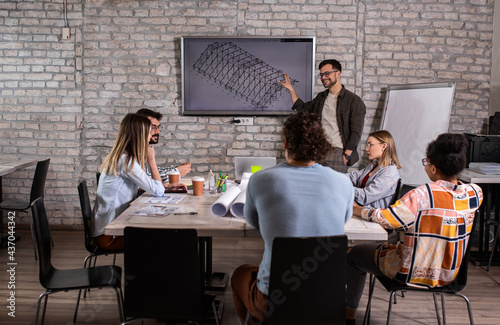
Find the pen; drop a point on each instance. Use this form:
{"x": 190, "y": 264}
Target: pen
{"x": 185, "y": 213}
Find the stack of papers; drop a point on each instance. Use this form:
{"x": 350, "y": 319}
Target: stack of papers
{"x": 155, "y": 211}
{"x": 489, "y": 168}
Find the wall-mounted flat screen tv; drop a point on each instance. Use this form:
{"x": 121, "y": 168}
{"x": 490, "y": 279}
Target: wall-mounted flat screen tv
{"x": 239, "y": 75}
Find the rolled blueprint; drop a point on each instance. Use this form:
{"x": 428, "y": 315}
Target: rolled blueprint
{"x": 223, "y": 204}
{"x": 238, "y": 204}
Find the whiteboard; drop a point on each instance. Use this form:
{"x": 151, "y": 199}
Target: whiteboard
{"x": 415, "y": 115}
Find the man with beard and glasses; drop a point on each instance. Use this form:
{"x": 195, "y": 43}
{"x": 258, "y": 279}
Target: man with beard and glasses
{"x": 155, "y": 119}
{"x": 342, "y": 115}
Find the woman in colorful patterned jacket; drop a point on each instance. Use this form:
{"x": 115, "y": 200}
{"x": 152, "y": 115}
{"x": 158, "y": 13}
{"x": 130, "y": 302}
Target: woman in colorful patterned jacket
{"x": 436, "y": 219}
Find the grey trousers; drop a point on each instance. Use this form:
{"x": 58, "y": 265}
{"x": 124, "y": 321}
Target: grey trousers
{"x": 335, "y": 160}
{"x": 361, "y": 260}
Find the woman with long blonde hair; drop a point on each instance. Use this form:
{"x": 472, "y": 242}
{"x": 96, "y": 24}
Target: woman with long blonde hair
{"x": 122, "y": 174}
{"x": 374, "y": 185}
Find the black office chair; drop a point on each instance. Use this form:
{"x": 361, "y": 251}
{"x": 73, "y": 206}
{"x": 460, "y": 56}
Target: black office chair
{"x": 57, "y": 280}
{"x": 397, "y": 194}
{"x": 452, "y": 288}
{"x": 37, "y": 191}
{"x": 164, "y": 278}
{"x": 91, "y": 242}
{"x": 392, "y": 236}
{"x": 307, "y": 281}
{"x": 406, "y": 188}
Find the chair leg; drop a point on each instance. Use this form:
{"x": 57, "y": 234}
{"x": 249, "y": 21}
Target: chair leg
{"x": 443, "y": 309}
{"x": 77, "y": 305}
{"x": 436, "y": 307}
{"x": 493, "y": 248}
{"x": 469, "y": 308}
{"x": 391, "y": 299}
{"x": 119, "y": 299}
{"x": 216, "y": 315}
{"x": 247, "y": 318}
{"x": 88, "y": 260}
{"x": 43, "y": 296}
{"x": 33, "y": 236}
{"x": 366, "y": 319}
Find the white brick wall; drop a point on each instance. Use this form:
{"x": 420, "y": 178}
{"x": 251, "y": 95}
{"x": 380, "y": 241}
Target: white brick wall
{"x": 64, "y": 99}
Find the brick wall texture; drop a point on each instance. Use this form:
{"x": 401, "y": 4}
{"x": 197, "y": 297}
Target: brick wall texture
{"x": 64, "y": 99}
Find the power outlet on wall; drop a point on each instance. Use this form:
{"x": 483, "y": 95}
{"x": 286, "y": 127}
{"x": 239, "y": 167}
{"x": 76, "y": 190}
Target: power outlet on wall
{"x": 243, "y": 121}
{"x": 65, "y": 33}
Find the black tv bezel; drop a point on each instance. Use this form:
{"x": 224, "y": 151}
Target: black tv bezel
{"x": 285, "y": 61}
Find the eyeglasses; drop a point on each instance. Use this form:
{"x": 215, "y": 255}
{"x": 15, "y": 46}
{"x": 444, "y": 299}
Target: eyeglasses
{"x": 369, "y": 144}
{"x": 327, "y": 73}
{"x": 425, "y": 161}
{"x": 156, "y": 127}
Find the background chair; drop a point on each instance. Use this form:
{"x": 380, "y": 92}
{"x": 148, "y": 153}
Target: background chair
{"x": 164, "y": 278}
{"x": 307, "y": 281}
{"x": 57, "y": 280}
{"x": 37, "y": 191}
{"x": 452, "y": 288}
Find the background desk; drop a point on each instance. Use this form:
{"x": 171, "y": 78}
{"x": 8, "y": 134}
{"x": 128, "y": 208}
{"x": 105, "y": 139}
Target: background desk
{"x": 490, "y": 185}
{"x": 8, "y": 166}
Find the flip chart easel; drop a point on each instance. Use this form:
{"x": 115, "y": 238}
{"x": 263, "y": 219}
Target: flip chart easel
{"x": 416, "y": 114}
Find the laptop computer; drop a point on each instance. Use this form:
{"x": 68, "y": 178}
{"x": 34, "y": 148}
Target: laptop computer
{"x": 251, "y": 165}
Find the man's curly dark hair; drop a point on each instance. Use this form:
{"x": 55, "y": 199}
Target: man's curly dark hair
{"x": 306, "y": 137}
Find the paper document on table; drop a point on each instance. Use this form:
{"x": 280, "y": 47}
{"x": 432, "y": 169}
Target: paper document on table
{"x": 167, "y": 199}
{"x": 155, "y": 211}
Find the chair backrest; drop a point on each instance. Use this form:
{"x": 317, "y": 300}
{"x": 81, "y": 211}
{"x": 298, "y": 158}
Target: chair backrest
{"x": 38, "y": 185}
{"x": 397, "y": 193}
{"x": 43, "y": 240}
{"x": 163, "y": 276}
{"x": 83, "y": 193}
{"x": 405, "y": 189}
{"x": 307, "y": 281}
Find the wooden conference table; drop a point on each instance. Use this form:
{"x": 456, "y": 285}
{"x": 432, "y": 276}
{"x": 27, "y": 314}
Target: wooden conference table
{"x": 8, "y": 166}
{"x": 207, "y": 224}
{"x": 490, "y": 184}
{"x": 194, "y": 212}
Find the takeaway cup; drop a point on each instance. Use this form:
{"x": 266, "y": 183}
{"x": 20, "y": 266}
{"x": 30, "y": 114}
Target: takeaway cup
{"x": 198, "y": 183}
{"x": 173, "y": 176}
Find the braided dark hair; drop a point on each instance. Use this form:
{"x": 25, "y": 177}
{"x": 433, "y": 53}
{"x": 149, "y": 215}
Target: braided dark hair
{"x": 447, "y": 153}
